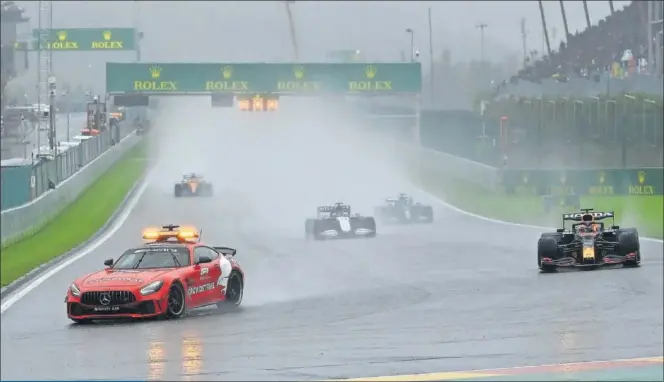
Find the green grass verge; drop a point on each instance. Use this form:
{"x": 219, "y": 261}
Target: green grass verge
{"x": 78, "y": 222}
{"x": 642, "y": 212}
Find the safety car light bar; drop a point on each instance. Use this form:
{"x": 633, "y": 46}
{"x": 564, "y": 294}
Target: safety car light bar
{"x": 171, "y": 232}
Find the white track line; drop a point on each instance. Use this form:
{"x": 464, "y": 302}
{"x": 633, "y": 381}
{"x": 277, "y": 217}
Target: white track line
{"x": 121, "y": 219}
{"x": 131, "y": 204}
{"x": 503, "y": 222}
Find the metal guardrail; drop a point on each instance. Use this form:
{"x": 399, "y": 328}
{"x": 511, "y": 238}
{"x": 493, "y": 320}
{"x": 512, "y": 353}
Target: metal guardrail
{"x": 18, "y": 221}
{"x": 582, "y": 87}
{"x": 23, "y": 183}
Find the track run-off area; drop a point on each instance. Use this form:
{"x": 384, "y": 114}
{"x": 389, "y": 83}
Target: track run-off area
{"x": 463, "y": 293}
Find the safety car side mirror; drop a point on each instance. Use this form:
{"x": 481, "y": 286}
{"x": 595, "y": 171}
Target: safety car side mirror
{"x": 108, "y": 262}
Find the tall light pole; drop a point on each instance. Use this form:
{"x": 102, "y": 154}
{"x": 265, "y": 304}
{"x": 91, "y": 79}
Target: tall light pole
{"x": 482, "y": 27}
{"x": 136, "y": 15}
{"x": 524, "y": 41}
{"x": 649, "y": 36}
{"x": 432, "y": 71}
{"x": 65, "y": 95}
{"x": 45, "y": 78}
{"x": 291, "y": 26}
{"x": 412, "y": 44}
{"x": 545, "y": 31}
{"x": 564, "y": 14}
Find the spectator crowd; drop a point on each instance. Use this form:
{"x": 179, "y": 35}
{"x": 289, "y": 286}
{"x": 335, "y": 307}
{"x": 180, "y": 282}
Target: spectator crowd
{"x": 616, "y": 45}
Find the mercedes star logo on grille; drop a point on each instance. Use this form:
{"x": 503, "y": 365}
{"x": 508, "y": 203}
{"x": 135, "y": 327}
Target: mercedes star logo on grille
{"x": 105, "y": 298}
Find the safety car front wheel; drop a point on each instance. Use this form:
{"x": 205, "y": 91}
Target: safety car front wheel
{"x": 176, "y": 303}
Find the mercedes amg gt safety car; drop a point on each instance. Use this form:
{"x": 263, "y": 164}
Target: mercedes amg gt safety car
{"x": 336, "y": 222}
{"x": 403, "y": 210}
{"x": 193, "y": 185}
{"x": 588, "y": 243}
{"x": 168, "y": 275}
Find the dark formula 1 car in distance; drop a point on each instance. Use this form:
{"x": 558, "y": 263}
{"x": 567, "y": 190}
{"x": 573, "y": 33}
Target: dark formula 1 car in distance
{"x": 588, "y": 244}
{"x": 192, "y": 185}
{"x": 403, "y": 210}
{"x": 336, "y": 222}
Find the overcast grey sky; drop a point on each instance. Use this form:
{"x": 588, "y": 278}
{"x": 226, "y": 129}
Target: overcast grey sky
{"x": 212, "y": 31}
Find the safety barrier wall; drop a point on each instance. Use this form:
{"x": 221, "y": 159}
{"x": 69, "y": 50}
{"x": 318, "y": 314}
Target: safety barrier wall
{"x": 21, "y": 184}
{"x": 450, "y": 148}
{"x": 583, "y": 87}
{"x": 21, "y": 220}
{"x": 637, "y": 181}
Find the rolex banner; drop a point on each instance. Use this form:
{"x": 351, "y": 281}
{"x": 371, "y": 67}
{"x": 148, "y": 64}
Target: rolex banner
{"x": 629, "y": 181}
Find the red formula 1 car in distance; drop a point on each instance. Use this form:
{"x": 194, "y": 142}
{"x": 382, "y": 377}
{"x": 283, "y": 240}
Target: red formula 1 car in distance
{"x": 170, "y": 274}
{"x": 589, "y": 244}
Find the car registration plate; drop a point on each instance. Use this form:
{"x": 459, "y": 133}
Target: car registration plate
{"x": 106, "y": 308}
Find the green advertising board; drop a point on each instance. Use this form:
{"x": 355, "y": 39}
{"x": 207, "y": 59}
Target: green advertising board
{"x": 177, "y": 78}
{"x": 86, "y": 39}
{"x": 629, "y": 181}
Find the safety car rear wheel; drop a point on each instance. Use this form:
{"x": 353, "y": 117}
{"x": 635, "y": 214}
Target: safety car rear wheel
{"x": 234, "y": 292}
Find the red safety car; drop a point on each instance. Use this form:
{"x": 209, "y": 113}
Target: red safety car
{"x": 170, "y": 274}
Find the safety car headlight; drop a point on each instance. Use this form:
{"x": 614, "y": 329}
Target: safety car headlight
{"x": 152, "y": 287}
{"x": 74, "y": 290}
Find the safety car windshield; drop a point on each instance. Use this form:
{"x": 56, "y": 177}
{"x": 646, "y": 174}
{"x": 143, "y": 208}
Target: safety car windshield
{"x": 153, "y": 258}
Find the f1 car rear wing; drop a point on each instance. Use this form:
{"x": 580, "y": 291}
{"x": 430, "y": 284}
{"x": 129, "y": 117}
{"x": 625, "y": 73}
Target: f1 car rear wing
{"x": 588, "y": 215}
{"x": 333, "y": 208}
{"x": 191, "y": 176}
{"x": 328, "y": 210}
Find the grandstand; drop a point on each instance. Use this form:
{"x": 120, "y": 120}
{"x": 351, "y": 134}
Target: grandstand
{"x": 595, "y": 102}
{"x": 614, "y": 48}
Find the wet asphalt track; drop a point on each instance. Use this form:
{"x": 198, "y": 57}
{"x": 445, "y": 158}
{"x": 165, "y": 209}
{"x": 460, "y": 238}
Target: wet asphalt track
{"x": 456, "y": 295}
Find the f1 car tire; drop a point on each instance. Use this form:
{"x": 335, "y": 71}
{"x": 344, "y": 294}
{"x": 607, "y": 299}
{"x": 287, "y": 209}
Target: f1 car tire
{"x": 427, "y": 212}
{"x": 176, "y": 302}
{"x": 547, "y": 246}
{"x": 554, "y": 235}
{"x": 628, "y": 242}
{"x": 208, "y": 190}
{"x": 365, "y": 222}
{"x": 234, "y": 293}
{"x": 177, "y": 191}
{"x": 379, "y": 213}
{"x": 319, "y": 226}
